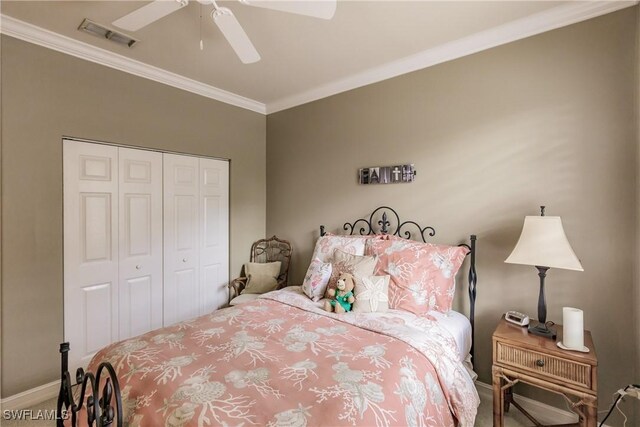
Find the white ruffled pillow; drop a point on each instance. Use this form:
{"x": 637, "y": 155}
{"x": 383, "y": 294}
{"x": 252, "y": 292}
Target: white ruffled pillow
{"x": 316, "y": 280}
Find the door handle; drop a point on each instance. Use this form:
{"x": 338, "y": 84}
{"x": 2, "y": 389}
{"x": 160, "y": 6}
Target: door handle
{"x": 138, "y": 267}
{"x": 184, "y": 260}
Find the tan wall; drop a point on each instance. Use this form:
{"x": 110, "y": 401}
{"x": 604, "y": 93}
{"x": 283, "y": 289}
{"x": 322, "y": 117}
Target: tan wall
{"x": 46, "y": 95}
{"x": 546, "y": 120}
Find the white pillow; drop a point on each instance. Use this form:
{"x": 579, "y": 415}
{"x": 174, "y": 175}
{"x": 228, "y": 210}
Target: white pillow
{"x": 371, "y": 294}
{"x": 316, "y": 280}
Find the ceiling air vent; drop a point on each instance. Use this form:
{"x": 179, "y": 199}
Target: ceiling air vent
{"x": 88, "y": 26}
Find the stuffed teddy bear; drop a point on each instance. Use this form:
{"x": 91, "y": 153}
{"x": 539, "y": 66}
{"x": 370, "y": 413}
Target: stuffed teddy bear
{"x": 342, "y": 297}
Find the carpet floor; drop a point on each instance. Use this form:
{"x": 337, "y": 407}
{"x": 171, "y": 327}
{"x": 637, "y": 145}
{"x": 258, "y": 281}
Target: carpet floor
{"x": 484, "y": 418}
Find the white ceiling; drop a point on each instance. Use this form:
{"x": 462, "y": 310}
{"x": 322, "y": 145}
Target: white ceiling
{"x": 302, "y": 57}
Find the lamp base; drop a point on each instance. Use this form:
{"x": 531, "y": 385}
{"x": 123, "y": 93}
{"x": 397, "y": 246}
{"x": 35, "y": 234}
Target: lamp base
{"x": 541, "y": 329}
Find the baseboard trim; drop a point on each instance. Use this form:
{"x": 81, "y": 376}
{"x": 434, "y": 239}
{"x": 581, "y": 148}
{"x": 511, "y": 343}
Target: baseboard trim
{"x": 30, "y": 397}
{"x": 544, "y": 413}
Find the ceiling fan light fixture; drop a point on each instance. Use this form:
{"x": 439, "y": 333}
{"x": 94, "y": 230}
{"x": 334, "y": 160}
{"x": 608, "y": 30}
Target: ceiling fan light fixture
{"x": 235, "y": 35}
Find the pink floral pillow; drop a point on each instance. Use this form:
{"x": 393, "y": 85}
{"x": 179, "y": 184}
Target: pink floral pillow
{"x": 316, "y": 280}
{"x": 422, "y": 274}
{"x": 327, "y": 244}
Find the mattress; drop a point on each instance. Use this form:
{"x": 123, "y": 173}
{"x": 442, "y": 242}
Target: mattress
{"x": 459, "y": 327}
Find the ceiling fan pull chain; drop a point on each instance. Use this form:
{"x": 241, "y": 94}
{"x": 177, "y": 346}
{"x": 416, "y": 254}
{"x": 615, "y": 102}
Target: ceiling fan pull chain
{"x": 201, "y": 43}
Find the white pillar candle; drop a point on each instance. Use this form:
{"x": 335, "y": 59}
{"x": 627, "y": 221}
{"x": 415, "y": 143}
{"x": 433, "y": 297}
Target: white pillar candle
{"x": 573, "y": 328}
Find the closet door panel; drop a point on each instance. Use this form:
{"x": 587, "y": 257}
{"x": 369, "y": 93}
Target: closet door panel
{"x": 139, "y": 314}
{"x": 140, "y": 241}
{"x": 181, "y": 238}
{"x": 96, "y": 311}
{"x": 214, "y": 244}
{"x": 187, "y": 294}
{"x": 90, "y": 187}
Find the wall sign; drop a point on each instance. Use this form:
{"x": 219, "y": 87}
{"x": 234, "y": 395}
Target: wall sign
{"x": 386, "y": 174}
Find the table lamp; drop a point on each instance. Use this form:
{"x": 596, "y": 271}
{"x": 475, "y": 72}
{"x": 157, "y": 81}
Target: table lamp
{"x": 544, "y": 245}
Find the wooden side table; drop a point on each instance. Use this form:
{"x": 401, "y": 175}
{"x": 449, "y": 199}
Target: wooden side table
{"x": 521, "y": 357}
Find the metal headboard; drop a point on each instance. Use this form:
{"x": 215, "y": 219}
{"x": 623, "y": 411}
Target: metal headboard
{"x": 386, "y": 221}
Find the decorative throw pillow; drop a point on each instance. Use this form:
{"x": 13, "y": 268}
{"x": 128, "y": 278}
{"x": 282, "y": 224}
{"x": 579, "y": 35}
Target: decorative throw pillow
{"x": 316, "y": 280}
{"x": 261, "y": 277}
{"x": 343, "y": 262}
{"x": 372, "y": 294}
{"x": 327, "y": 244}
{"x": 422, "y": 274}
{"x": 263, "y": 269}
{"x": 260, "y": 284}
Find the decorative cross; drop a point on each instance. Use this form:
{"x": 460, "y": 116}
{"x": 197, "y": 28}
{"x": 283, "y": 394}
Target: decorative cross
{"x": 396, "y": 173}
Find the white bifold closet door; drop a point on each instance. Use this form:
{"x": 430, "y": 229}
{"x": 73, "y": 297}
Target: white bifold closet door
{"x": 146, "y": 242}
{"x": 90, "y": 248}
{"x": 196, "y": 236}
{"x": 214, "y": 234}
{"x": 140, "y": 241}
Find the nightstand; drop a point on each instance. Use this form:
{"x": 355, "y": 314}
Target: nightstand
{"x": 521, "y": 357}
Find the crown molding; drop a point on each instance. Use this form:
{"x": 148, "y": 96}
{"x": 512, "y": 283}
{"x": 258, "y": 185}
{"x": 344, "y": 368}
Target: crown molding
{"x": 548, "y": 20}
{"x": 531, "y": 25}
{"x": 42, "y": 37}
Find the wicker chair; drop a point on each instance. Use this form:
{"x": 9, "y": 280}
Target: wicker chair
{"x": 263, "y": 251}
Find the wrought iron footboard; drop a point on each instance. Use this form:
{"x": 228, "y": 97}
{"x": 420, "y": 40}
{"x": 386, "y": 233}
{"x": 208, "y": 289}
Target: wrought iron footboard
{"x": 100, "y": 411}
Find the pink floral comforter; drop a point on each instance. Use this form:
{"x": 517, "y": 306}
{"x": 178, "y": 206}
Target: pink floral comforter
{"x": 282, "y": 361}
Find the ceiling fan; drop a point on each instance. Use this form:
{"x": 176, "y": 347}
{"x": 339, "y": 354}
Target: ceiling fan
{"x": 225, "y": 20}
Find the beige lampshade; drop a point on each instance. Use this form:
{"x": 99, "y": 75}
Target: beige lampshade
{"x": 543, "y": 243}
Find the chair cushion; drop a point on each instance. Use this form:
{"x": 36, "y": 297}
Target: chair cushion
{"x": 243, "y": 298}
{"x": 260, "y": 284}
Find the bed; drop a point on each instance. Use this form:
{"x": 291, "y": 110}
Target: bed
{"x": 282, "y": 360}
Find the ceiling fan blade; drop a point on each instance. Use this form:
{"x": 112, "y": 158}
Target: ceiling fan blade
{"x": 324, "y": 9}
{"x": 149, "y": 13}
{"x": 235, "y": 35}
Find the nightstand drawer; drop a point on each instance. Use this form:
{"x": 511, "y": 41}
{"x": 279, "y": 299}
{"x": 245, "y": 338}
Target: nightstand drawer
{"x": 555, "y": 369}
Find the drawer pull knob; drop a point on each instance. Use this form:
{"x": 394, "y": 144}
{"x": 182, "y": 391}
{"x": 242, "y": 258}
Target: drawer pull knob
{"x": 540, "y": 363}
